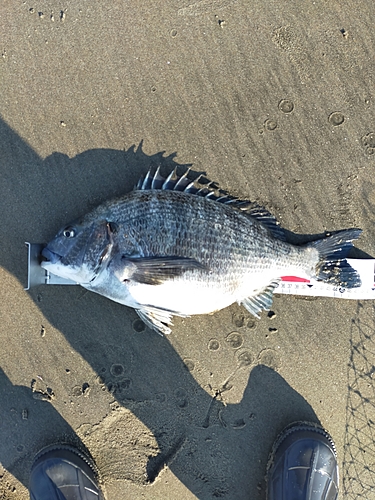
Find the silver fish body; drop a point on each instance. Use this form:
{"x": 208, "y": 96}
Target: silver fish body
{"x": 172, "y": 247}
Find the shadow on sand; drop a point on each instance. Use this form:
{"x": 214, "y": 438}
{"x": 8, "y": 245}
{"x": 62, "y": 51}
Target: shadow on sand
{"x": 210, "y": 447}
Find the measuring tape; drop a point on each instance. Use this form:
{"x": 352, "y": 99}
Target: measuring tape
{"x": 292, "y": 285}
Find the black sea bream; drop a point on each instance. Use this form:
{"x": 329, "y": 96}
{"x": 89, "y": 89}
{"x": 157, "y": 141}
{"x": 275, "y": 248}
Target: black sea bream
{"x": 177, "y": 247}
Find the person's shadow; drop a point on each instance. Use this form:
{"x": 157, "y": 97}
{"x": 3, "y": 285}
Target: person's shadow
{"x": 213, "y": 449}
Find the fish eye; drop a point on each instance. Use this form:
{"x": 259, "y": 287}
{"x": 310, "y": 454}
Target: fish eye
{"x": 69, "y": 232}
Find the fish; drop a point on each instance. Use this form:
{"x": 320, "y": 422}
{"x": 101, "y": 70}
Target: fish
{"x": 180, "y": 247}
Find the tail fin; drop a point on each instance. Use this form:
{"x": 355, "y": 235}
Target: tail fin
{"x": 332, "y": 267}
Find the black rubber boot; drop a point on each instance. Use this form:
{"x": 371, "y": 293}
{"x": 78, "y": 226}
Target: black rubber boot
{"x": 62, "y": 472}
{"x": 303, "y": 465}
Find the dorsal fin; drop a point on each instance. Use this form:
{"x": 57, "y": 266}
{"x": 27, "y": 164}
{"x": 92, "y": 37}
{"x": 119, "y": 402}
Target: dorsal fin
{"x": 268, "y": 220}
{"x": 154, "y": 180}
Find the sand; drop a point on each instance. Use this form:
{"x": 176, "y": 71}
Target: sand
{"x": 272, "y": 100}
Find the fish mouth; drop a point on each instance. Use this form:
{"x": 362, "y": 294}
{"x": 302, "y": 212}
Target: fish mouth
{"x": 49, "y": 256}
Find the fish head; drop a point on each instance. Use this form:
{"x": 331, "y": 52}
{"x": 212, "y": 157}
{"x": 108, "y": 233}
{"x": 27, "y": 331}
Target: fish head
{"x": 79, "y": 251}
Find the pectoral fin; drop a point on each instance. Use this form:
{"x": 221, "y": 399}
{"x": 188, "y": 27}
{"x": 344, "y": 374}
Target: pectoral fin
{"x": 261, "y": 301}
{"x": 154, "y": 270}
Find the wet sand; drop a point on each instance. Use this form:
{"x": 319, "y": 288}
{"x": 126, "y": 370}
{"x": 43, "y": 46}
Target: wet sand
{"x": 273, "y": 101}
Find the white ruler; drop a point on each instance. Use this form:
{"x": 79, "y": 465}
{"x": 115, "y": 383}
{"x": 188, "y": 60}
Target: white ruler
{"x": 293, "y": 285}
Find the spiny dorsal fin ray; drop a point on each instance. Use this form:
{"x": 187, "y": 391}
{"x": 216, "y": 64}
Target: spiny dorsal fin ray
{"x": 182, "y": 183}
{"x": 157, "y": 180}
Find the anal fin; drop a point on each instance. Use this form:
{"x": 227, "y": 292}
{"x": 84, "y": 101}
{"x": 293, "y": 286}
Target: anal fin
{"x": 262, "y": 301}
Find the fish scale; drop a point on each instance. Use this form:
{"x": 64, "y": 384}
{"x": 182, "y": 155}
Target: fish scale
{"x": 178, "y": 219}
{"x": 177, "y": 247}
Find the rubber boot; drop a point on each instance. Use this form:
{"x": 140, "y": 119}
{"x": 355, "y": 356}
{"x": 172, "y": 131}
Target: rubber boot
{"x": 303, "y": 465}
{"x": 61, "y": 472}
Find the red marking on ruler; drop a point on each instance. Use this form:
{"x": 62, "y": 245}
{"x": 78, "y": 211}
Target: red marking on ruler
{"x": 295, "y": 279}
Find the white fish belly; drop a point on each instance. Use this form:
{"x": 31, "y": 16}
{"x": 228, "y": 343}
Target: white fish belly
{"x": 186, "y": 298}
